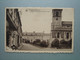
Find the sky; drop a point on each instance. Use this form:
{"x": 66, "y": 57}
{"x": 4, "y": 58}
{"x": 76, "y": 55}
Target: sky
{"x": 39, "y": 19}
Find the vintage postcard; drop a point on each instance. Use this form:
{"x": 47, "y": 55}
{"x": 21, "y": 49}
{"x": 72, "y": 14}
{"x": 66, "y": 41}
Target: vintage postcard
{"x": 39, "y": 29}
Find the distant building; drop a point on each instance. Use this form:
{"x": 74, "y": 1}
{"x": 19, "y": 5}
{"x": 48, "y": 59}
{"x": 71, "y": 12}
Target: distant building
{"x": 32, "y": 36}
{"x": 13, "y": 28}
{"x": 60, "y": 29}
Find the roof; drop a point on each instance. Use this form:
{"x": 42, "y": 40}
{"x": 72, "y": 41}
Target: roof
{"x": 57, "y": 9}
{"x": 36, "y": 34}
{"x": 63, "y": 28}
{"x": 67, "y": 23}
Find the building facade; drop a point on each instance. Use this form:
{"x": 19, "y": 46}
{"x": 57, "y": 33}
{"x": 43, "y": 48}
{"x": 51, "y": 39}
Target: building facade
{"x": 13, "y": 28}
{"x": 60, "y": 29}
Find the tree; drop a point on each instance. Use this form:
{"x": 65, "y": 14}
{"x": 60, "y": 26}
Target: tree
{"x": 55, "y": 43}
{"x": 44, "y": 44}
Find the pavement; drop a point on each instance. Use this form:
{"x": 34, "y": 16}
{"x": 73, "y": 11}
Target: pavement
{"x": 8, "y": 48}
{"x": 30, "y": 47}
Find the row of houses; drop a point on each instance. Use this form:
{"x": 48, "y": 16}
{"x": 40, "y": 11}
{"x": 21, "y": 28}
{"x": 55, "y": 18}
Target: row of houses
{"x": 32, "y": 36}
{"x": 13, "y": 28}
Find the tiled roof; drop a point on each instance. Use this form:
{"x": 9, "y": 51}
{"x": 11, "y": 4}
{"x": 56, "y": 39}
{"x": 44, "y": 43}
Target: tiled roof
{"x": 63, "y": 28}
{"x": 66, "y": 22}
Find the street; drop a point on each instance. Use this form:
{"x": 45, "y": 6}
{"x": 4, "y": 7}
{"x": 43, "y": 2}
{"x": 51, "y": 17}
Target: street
{"x": 29, "y": 47}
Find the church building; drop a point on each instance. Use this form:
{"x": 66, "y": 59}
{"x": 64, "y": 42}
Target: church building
{"x": 60, "y": 29}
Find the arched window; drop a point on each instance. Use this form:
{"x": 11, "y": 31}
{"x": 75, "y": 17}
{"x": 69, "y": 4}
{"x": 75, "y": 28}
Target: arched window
{"x": 58, "y": 35}
{"x": 67, "y": 35}
{"x": 57, "y": 14}
{"x": 62, "y": 35}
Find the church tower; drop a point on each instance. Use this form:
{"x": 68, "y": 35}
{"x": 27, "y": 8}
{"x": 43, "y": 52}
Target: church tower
{"x": 56, "y": 20}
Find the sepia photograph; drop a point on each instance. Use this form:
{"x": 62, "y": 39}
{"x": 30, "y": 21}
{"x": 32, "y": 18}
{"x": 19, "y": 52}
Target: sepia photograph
{"x": 39, "y": 29}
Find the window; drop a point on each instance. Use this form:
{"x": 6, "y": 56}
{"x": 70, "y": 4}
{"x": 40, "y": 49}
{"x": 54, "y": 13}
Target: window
{"x": 68, "y": 26}
{"x": 57, "y": 14}
{"x": 62, "y": 35}
{"x": 67, "y": 35}
{"x": 58, "y": 35}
